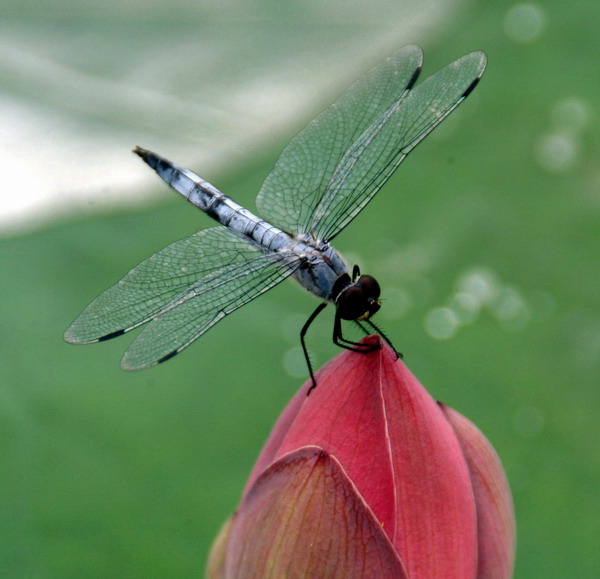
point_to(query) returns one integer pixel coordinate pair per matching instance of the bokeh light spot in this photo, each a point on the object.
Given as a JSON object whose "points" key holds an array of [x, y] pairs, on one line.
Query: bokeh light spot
{"points": [[465, 306], [524, 23], [511, 310], [481, 284], [557, 152], [441, 323], [571, 115], [294, 363]]}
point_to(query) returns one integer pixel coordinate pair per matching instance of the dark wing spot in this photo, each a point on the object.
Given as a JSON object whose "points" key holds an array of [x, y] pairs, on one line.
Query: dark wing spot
{"points": [[167, 356], [414, 78], [111, 335], [471, 87]]}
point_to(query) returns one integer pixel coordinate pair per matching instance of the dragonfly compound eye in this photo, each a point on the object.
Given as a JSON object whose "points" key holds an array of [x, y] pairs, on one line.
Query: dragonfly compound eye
{"points": [[359, 301], [352, 303], [369, 286]]}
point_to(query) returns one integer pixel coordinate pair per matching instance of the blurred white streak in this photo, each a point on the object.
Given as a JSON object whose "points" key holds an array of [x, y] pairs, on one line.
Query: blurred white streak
{"points": [[208, 92]]}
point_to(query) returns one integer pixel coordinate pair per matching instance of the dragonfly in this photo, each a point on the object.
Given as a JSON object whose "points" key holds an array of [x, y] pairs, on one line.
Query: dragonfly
{"points": [[322, 180]]}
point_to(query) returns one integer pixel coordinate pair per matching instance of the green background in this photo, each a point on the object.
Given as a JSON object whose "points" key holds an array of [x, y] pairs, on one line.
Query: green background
{"points": [[113, 474]]}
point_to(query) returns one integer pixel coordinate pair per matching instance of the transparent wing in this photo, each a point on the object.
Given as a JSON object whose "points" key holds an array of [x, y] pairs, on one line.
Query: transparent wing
{"points": [[375, 153], [214, 263], [204, 304], [301, 176]]}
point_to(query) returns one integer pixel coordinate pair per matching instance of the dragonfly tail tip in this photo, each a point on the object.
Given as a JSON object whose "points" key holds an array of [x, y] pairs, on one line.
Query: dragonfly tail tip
{"points": [[143, 153]]}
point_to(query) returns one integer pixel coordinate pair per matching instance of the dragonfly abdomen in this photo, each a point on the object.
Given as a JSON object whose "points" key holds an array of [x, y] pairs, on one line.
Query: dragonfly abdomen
{"points": [[215, 204]]}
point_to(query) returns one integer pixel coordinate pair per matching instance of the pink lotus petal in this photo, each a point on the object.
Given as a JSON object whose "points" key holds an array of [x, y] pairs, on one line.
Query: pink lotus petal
{"points": [[344, 415], [304, 518], [436, 530], [495, 513], [215, 567], [371, 414]]}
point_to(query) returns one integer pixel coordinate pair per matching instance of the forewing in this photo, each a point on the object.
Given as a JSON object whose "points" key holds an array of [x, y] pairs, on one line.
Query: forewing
{"points": [[303, 173], [156, 282], [204, 304], [377, 152]]}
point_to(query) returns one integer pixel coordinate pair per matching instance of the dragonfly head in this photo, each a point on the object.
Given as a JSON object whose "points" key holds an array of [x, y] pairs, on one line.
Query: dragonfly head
{"points": [[358, 300]]}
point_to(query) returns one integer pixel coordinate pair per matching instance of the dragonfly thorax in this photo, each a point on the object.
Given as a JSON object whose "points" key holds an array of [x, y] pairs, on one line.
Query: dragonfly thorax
{"points": [[322, 268]]}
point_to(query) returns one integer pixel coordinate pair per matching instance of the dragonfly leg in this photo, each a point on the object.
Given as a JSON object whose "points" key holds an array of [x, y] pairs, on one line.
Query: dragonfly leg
{"points": [[339, 340], [303, 331], [385, 338], [365, 330]]}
